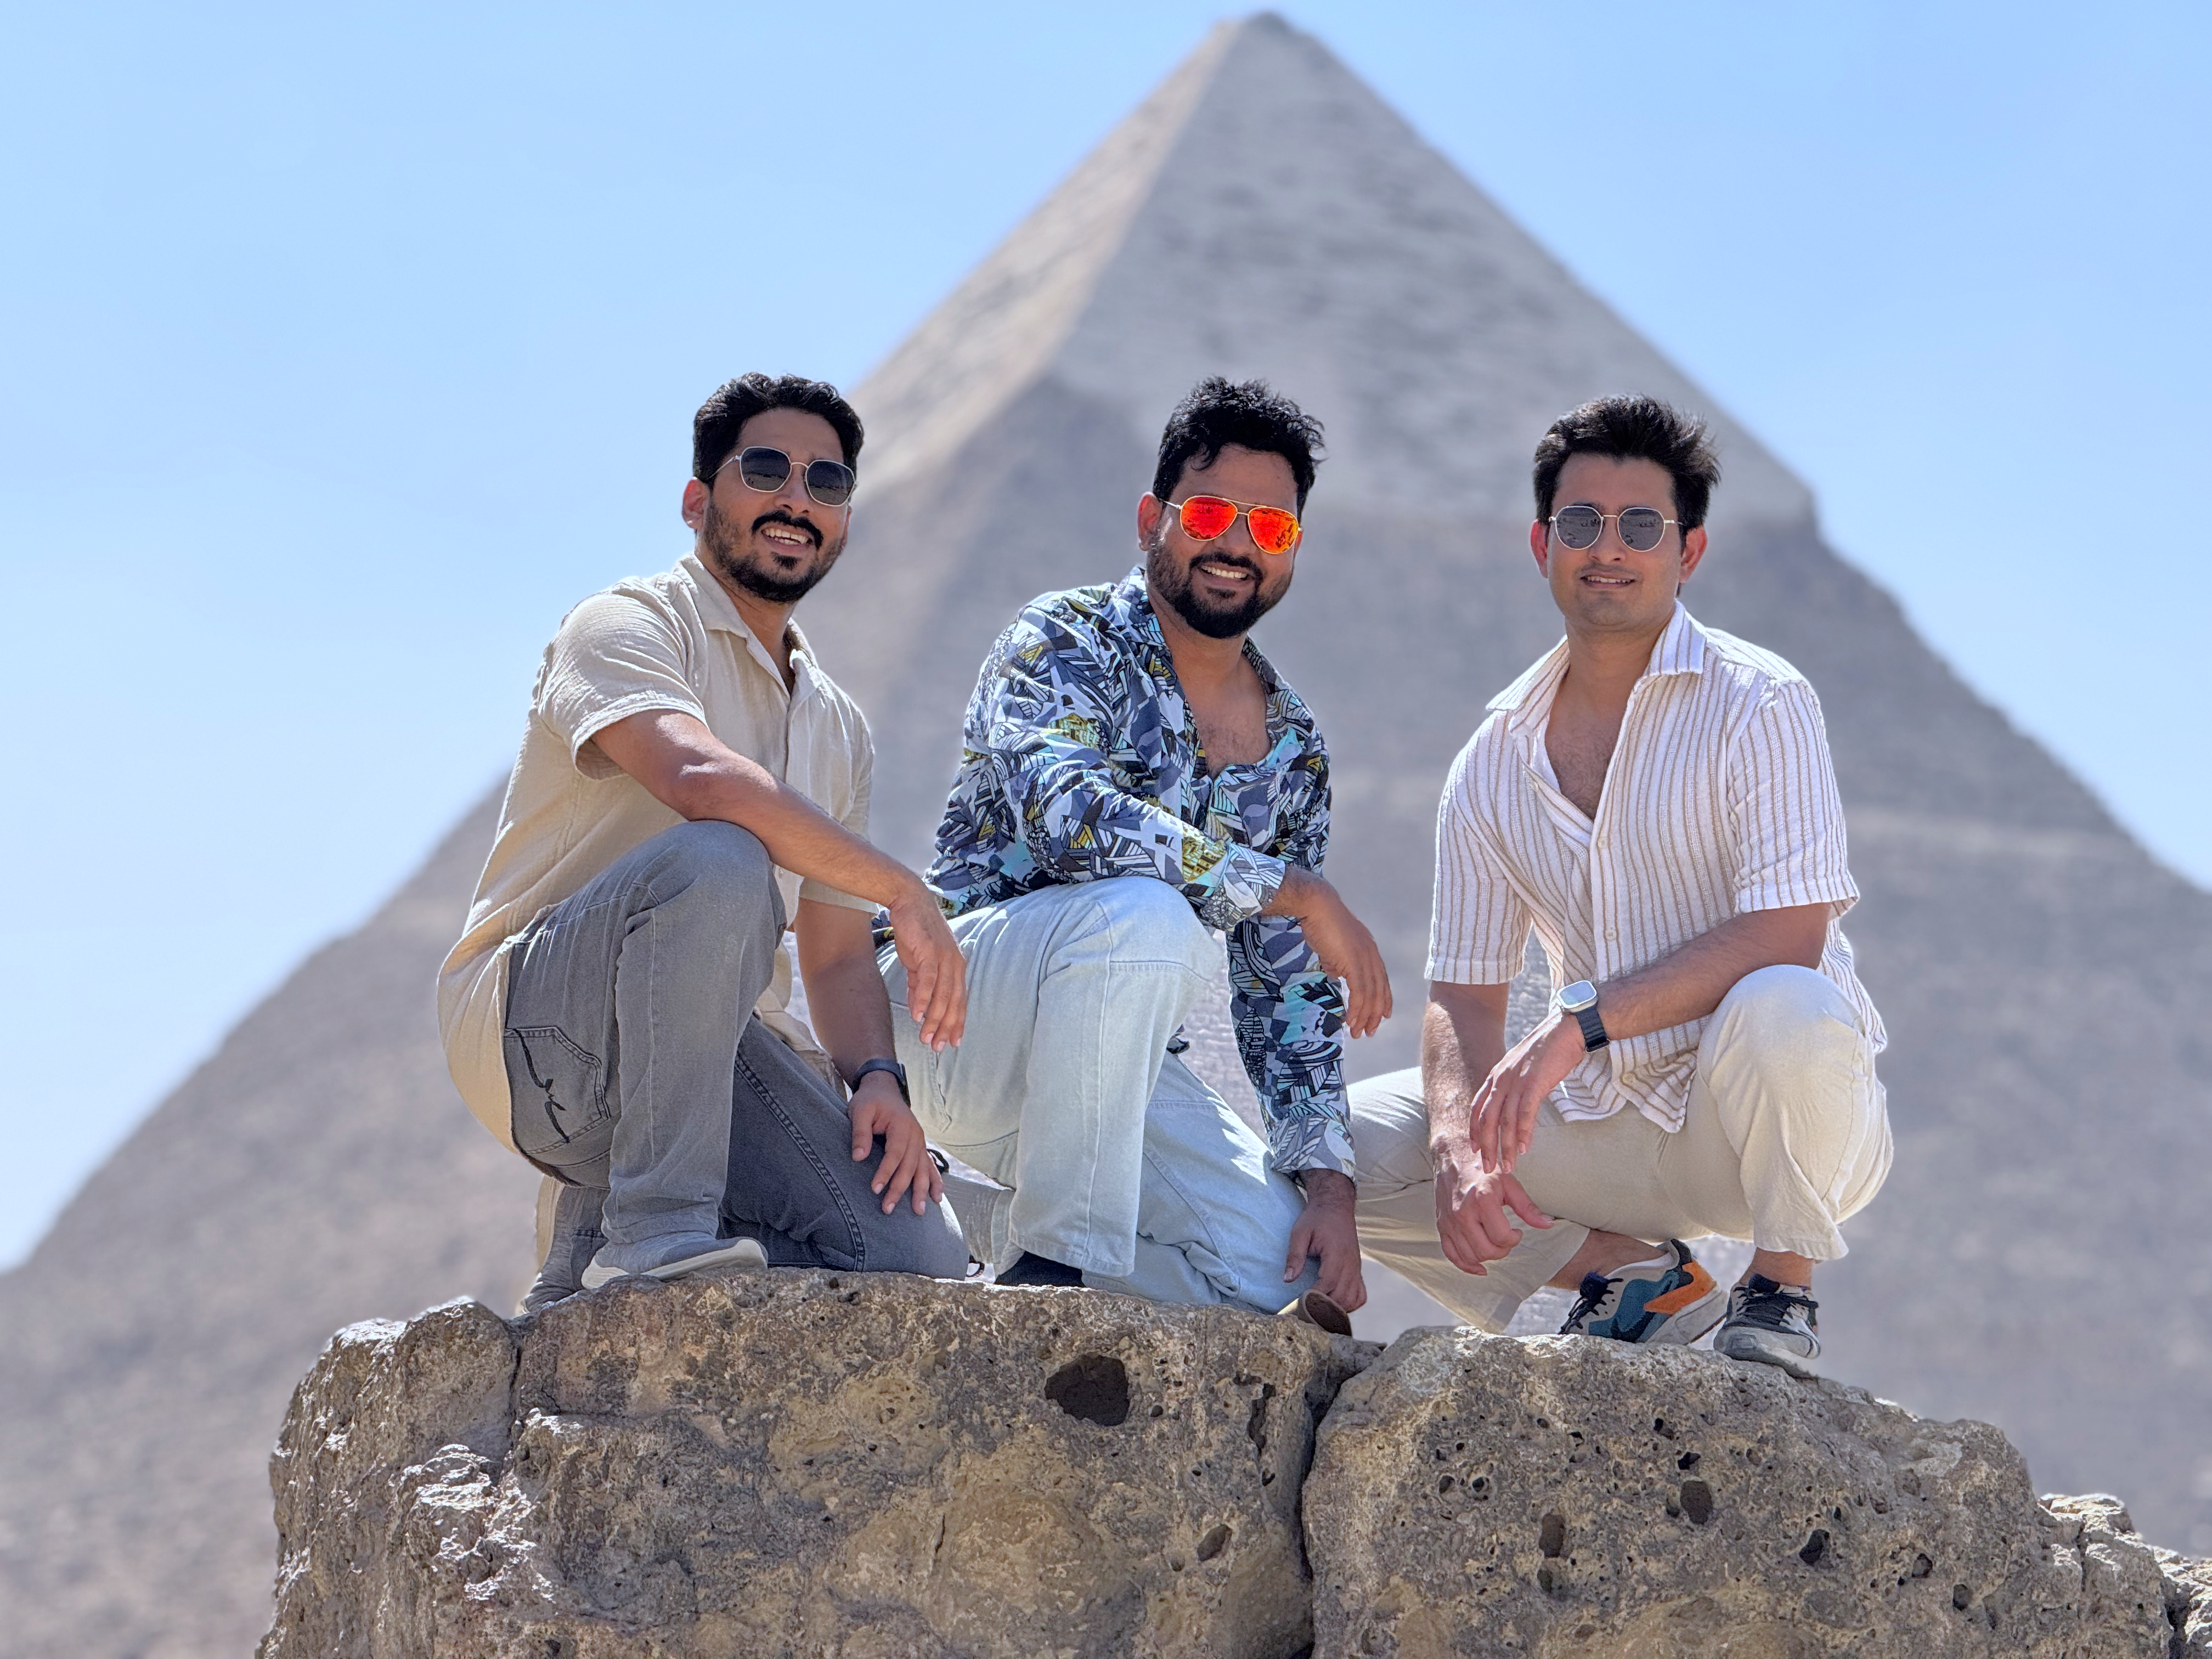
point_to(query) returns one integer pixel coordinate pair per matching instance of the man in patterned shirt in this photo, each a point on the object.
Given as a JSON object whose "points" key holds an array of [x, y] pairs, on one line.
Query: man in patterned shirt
{"points": [[1655, 801], [1135, 774]]}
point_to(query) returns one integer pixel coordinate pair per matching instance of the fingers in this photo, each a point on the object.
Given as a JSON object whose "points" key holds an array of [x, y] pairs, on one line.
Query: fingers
{"points": [[1517, 1196], [897, 1172], [937, 981], [863, 1131], [1482, 1127], [1341, 1278], [1294, 1262]]}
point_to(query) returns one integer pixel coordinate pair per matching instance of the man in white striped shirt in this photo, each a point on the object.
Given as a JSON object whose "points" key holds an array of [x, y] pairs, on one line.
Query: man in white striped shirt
{"points": [[1656, 800]]}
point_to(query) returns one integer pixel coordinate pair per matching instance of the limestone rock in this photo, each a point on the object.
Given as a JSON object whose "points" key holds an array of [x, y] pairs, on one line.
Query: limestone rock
{"points": [[1476, 1495], [805, 1462]]}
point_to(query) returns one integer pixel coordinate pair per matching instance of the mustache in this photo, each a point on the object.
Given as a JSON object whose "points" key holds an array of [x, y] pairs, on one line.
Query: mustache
{"points": [[779, 516]]}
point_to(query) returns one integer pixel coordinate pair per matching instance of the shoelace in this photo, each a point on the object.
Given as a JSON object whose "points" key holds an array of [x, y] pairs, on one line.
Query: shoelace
{"points": [[1774, 1305], [1596, 1287]]}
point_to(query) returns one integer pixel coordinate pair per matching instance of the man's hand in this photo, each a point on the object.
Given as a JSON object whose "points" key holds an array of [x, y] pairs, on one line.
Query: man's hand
{"points": [[1504, 1118], [1471, 1202], [1327, 1229], [1342, 940], [936, 973], [908, 1168]]}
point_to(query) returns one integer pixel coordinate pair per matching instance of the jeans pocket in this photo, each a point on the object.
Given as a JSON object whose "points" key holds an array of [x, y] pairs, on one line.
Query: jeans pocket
{"points": [[559, 1089]]}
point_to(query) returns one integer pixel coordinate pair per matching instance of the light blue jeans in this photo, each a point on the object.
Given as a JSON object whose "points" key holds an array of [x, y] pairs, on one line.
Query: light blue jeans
{"points": [[1119, 1161]]}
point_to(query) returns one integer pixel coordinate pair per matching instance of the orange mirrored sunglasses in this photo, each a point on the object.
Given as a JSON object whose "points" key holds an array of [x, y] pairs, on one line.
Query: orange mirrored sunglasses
{"points": [[1205, 516]]}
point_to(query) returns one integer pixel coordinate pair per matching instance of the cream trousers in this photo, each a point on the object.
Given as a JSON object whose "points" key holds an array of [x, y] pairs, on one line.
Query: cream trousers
{"points": [[1787, 1135]]}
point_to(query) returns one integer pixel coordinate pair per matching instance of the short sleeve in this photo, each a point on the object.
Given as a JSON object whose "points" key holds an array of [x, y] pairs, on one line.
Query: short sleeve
{"points": [[1478, 924], [1784, 808], [615, 656]]}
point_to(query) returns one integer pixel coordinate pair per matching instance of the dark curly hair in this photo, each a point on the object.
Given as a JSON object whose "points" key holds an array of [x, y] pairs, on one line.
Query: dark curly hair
{"points": [[1250, 414], [1633, 429], [714, 428]]}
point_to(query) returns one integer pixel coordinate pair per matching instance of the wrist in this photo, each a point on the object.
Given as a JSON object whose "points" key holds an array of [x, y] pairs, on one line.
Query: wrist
{"points": [[1329, 1190], [879, 1078]]}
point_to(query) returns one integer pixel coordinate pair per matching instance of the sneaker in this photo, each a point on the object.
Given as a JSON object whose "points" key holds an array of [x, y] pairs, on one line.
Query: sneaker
{"points": [[1772, 1324], [1667, 1299], [672, 1257]]}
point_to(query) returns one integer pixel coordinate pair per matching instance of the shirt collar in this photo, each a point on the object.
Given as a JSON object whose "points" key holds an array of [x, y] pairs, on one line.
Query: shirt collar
{"points": [[1528, 701], [720, 614]]}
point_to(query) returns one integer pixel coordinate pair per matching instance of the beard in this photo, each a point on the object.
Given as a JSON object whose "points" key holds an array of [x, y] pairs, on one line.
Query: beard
{"points": [[756, 571], [1169, 580]]}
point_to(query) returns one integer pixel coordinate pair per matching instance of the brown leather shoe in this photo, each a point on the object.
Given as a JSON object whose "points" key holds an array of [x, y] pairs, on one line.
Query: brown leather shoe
{"points": [[1316, 1309]]}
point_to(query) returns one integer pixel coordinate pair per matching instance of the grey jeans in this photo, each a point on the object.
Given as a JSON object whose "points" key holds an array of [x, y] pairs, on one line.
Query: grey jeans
{"points": [[640, 1080]]}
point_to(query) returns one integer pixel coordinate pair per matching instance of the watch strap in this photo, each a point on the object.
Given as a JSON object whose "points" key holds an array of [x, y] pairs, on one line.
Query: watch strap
{"points": [[897, 1072], [1593, 1033]]}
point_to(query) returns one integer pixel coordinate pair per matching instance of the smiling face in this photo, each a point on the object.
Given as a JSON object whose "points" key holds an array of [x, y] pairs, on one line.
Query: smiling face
{"points": [[775, 546], [1220, 588], [1611, 588]]}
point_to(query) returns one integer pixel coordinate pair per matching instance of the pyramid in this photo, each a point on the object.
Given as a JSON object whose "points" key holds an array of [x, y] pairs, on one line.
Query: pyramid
{"points": [[1262, 213]]}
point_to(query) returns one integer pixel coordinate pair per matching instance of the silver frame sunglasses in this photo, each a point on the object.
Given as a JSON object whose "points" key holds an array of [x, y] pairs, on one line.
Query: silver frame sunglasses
{"points": [[806, 474], [1603, 519]]}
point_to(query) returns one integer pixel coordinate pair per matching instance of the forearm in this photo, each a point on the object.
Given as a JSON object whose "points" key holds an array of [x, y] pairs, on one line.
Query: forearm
{"points": [[850, 1011], [1689, 981], [1462, 1039], [800, 836], [683, 766]]}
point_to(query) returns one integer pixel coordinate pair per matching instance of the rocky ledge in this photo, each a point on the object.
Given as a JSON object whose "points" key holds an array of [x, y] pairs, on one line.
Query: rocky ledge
{"points": [[805, 1463]]}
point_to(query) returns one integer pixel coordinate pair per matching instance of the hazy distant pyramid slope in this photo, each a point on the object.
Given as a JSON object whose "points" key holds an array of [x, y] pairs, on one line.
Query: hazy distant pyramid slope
{"points": [[2044, 981], [316, 1170], [2032, 1262]]}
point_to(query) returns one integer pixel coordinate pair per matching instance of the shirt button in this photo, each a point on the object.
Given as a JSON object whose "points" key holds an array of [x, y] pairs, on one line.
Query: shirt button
{"points": [[1612, 934]]}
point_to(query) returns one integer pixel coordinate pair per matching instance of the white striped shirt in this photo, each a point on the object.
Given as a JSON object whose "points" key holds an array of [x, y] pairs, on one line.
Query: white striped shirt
{"points": [[1720, 798]]}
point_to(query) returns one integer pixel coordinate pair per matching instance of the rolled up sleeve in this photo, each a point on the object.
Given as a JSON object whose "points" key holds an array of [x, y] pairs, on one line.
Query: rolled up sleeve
{"points": [[615, 656]]}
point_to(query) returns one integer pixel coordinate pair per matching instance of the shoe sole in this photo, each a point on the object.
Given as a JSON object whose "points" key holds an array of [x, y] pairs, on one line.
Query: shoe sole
{"points": [[1314, 1309], [1754, 1348], [743, 1253]]}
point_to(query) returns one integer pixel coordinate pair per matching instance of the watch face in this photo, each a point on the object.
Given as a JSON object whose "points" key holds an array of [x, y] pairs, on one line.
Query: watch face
{"points": [[1578, 996]]}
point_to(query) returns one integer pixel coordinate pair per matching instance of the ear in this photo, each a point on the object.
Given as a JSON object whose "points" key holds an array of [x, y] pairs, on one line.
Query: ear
{"points": [[1539, 544], [695, 505], [1693, 549], [1150, 510]]}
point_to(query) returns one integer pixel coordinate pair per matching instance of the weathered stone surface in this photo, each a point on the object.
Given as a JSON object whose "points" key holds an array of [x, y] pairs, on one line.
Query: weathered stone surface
{"points": [[802, 1463], [383, 1478], [1473, 1495]]}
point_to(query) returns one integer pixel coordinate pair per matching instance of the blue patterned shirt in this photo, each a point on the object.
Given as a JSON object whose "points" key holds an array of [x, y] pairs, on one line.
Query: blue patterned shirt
{"points": [[1080, 760]]}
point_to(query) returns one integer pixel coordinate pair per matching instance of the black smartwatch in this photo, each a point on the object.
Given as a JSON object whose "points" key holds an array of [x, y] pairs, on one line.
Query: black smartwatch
{"points": [[897, 1072], [1580, 999]]}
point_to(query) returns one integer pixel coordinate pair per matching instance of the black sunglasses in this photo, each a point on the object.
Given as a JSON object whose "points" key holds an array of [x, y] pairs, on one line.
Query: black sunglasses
{"points": [[829, 483], [1642, 528]]}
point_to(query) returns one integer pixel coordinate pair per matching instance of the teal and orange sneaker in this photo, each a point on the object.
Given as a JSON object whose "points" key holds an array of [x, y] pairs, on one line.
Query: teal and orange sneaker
{"points": [[1667, 1299]]}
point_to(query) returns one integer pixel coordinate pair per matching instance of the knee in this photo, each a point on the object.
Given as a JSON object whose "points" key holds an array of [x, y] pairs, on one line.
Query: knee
{"points": [[930, 1244], [1785, 1009], [1144, 919], [717, 863]]}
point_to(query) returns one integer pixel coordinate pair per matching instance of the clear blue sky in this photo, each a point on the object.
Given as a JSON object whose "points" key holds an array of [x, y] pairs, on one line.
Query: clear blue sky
{"points": [[341, 349]]}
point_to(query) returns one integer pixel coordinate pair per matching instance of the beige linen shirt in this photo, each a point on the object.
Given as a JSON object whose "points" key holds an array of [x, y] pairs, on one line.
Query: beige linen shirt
{"points": [[674, 641], [1720, 798]]}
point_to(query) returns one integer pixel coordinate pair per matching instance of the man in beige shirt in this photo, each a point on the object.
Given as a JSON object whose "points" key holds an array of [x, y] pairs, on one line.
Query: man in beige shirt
{"points": [[690, 786], [1655, 800]]}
